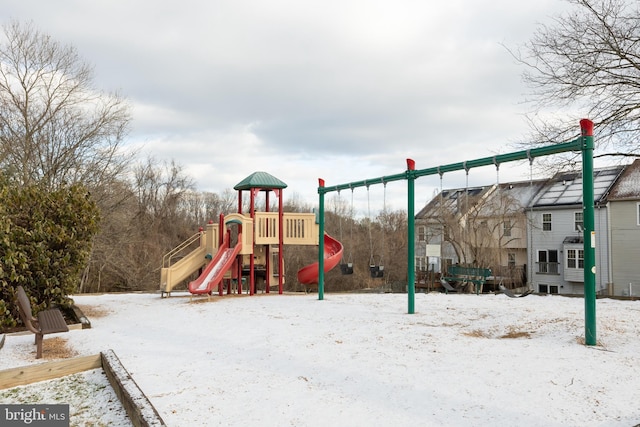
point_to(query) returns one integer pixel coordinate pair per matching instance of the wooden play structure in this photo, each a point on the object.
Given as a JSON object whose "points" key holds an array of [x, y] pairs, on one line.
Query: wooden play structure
{"points": [[247, 246]]}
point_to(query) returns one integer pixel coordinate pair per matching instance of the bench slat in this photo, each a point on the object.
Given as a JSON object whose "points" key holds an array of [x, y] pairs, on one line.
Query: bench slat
{"points": [[52, 321]]}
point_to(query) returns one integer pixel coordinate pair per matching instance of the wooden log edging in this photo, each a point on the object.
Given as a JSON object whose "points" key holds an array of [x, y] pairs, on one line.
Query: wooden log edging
{"points": [[140, 410], [24, 375], [138, 407]]}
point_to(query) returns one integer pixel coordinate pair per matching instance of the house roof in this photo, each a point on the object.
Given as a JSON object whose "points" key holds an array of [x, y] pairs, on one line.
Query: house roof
{"points": [[511, 197], [565, 188], [261, 180], [450, 201], [628, 186], [518, 193]]}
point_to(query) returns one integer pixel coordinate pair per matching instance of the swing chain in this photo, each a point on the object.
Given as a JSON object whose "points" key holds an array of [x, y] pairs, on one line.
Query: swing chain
{"points": [[371, 259]]}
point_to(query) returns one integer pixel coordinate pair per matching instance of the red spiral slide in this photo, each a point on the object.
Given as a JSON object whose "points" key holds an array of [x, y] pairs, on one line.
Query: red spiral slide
{"points": [[308, 275]]}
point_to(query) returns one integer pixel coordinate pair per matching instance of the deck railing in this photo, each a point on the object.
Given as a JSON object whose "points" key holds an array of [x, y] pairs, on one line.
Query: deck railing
{"points": [[298, 228], [548, 267]]}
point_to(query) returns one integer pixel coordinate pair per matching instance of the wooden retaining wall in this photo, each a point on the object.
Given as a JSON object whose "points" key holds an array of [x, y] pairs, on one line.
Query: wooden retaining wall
{"points": [[139, 409]]}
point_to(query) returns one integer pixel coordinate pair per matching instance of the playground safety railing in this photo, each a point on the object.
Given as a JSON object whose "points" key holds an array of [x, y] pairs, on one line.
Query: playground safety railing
{"points": [[175, 252], [298, 228]]}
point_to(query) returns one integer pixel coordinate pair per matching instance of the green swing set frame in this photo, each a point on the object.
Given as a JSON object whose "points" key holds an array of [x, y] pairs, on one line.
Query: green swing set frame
{"points": [[584, 143]]}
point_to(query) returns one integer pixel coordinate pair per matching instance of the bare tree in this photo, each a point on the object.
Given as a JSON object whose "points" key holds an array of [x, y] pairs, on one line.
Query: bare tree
{"points": [[393, 247], [153, 214], [216, 204], [162, 190], [117, 205], [55, 127], [479, 227], [492, 225], [587, 64]]}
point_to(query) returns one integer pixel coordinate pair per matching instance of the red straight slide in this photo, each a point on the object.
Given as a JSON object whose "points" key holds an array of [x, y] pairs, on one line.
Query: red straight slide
{"points": [[214, 271], [332, 255]]}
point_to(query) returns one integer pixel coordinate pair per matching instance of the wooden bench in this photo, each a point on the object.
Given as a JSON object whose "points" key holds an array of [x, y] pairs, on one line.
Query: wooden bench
{"points": [[477, 276], [48, 322]]}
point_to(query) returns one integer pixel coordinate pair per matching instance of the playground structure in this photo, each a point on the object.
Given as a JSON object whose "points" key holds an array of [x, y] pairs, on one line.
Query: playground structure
{"points": [[247, 246], [584, 144]]}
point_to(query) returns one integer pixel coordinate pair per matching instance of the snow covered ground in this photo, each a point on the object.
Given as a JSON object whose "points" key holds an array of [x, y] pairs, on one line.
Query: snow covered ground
{"points": [[91, 400], [361, 360]]}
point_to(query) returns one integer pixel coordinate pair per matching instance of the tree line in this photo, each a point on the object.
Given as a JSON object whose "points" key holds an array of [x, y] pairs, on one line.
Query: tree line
{"points": [[61, 151]]}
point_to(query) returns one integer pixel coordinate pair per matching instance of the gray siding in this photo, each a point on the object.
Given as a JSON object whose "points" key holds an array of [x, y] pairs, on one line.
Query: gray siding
{"points": [[542, 240], [603, 269], [568, 280], [625, 247]]}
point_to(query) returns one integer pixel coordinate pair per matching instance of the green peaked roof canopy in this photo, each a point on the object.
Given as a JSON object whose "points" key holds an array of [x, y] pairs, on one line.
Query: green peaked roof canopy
{"points": [[260, 180]]}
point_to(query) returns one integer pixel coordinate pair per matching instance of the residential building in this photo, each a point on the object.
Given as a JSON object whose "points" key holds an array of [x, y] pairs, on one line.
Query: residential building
{"points": [[532, 233], [624, 239], [434, 249], [556, 242], [480, 226]]}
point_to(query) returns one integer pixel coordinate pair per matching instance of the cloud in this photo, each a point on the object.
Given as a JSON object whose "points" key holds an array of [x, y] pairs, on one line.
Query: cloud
{"points": [[333, 89]]}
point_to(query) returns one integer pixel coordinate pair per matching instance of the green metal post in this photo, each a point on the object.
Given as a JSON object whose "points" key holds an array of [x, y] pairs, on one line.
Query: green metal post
{"points": [[321, 240], [586, 128], [411, 260]]}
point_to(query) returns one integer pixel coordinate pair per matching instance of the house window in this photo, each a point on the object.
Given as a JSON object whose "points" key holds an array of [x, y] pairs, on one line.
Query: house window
{"points": [[548, 261], [546, 222], [421, 263], [507, 226], [575, 258], [422, 233], [578, 221], [511, 260], [546, 289]]}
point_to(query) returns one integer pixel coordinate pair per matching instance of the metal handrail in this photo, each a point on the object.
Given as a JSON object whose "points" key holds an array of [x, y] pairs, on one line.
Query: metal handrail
{"points": [[166, 259]]}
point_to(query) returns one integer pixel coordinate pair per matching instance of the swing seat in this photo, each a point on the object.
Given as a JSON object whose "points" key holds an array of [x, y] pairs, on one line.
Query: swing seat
{"points": [[346, 268], [377, 271]]}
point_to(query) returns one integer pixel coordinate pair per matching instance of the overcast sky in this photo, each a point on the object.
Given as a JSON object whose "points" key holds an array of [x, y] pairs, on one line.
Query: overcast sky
{"points": [[341, 90]]}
